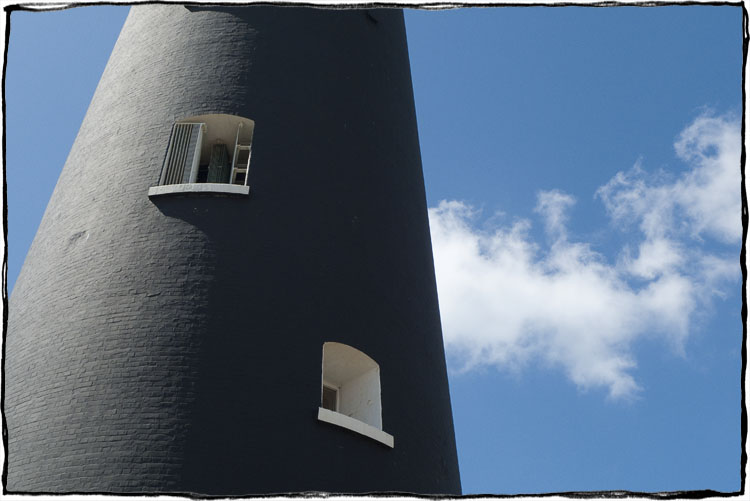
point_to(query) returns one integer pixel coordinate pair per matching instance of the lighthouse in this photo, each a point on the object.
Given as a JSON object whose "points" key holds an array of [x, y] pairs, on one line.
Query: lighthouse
{"points": [[232, 288]]}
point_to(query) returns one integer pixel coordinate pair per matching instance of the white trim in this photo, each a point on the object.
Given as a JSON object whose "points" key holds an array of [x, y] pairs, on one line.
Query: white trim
{"points": [[355, 425], [247, 167], [167, 189], [197, 154], [235, 169], [234, 156]]}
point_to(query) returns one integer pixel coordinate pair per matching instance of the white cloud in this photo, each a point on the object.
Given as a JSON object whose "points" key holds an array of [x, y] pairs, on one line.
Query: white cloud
{"points": [[704, 201], [656, 256], [552, 206], [507, 302]]}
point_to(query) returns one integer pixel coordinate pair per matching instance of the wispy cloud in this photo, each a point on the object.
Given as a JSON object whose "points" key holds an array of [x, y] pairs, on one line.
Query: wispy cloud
{"points": [[508, 301]]}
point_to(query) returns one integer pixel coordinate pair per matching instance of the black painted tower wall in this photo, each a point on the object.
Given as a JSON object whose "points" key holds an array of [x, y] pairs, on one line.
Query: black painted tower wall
{"points": [[174, 344]]}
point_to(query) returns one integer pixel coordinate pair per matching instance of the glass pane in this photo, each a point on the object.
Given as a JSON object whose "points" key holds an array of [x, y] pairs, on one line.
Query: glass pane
{"points": [[329, 398]]}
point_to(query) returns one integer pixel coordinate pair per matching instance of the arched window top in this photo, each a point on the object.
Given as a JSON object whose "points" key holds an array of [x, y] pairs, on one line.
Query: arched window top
{"points": [[219, 119], [350, 391], [342, 362], [207, 153], [222, 128]]}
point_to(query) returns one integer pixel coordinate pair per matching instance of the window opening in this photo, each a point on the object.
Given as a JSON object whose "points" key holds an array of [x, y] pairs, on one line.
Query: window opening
{"points": [[209, 149], [330, 399], [350, 392], [356, 378]]}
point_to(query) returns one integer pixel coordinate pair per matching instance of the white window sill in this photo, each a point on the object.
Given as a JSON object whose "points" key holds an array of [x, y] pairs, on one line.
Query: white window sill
{"points": [[225, 188], [355, 425]]}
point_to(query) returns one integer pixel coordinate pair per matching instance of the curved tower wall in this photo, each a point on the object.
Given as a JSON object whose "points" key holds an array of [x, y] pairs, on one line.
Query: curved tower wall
{"points": [[174, 343]]}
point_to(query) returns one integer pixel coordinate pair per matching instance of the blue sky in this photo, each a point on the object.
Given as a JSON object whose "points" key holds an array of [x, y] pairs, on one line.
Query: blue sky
{"points": [[582, 170]]}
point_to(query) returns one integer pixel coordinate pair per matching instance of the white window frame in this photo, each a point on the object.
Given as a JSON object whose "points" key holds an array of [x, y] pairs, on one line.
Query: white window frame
{"points": [[337, 389], [237, 148]]}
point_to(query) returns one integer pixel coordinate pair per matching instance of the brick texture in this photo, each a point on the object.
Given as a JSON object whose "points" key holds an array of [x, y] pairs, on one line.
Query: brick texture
{"points": [[174, 344]]}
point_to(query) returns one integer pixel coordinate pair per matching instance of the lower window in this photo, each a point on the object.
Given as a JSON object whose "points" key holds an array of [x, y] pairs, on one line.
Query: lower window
{"points": [[350, 392], [330, 399]]}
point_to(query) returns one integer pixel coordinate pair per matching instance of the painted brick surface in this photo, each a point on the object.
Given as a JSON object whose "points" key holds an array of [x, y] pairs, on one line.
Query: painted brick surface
{"points": [[174, 344]]}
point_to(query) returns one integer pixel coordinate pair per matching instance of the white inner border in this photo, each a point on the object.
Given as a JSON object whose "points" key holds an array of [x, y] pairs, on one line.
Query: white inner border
{"points": [[355, 425], [167, 189]]}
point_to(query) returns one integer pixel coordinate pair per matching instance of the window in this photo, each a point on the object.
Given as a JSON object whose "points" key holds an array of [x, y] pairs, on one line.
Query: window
{"points": [[330, 398], [207, 153], [350, 392]]}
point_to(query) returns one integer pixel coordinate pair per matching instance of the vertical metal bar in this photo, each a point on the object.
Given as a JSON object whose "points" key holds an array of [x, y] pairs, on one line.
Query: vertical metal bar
{"points": [[234, 156], [175, 151], [165, 164], [247, 168], [178, 162], [172, 152], [179, 165], [197, 154]]}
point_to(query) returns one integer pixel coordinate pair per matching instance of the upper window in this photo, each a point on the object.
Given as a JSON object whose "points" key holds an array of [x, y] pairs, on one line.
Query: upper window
{"points": [[212, 149], [350, 392]]}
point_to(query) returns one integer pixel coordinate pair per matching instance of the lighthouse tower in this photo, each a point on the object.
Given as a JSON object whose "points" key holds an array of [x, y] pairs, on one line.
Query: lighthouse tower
{"points": [[232, 288]]}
